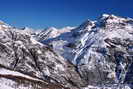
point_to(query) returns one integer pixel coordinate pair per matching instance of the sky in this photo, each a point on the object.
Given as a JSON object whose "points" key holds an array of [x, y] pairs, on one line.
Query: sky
{"points": [[39, 14]]}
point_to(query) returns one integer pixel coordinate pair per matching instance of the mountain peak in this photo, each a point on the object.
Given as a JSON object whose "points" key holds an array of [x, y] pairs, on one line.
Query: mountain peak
{"points": [[52, 28], [110, 20], [89, 22], [104, 16], [86, 24]]}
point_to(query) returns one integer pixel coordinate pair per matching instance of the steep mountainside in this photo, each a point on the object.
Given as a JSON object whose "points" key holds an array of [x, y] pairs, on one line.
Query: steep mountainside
{"points": [[102, 50], [20, 52]]}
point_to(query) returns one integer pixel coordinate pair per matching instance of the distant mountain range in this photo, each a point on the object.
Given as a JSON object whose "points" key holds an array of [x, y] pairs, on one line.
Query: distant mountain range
{"points": [[94, 55]]}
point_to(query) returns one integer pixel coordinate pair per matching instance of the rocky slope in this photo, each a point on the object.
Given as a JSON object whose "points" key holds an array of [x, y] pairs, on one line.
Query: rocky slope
{"points": [[20, 52]]}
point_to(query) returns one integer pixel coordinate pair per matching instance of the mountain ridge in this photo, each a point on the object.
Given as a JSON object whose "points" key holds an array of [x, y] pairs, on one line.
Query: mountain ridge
{"points": [[90, 55], [94, 43]]}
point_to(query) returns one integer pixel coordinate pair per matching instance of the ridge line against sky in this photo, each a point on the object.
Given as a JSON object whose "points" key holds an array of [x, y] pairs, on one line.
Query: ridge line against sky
{"points": [[60, 13]]}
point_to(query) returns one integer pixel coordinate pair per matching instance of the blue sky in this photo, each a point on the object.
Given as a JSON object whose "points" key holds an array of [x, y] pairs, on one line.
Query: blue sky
{"points": [[59, 13]]}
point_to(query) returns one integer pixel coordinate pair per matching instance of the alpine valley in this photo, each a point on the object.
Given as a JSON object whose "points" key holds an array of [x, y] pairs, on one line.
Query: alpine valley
{"points": [[94, 55]]}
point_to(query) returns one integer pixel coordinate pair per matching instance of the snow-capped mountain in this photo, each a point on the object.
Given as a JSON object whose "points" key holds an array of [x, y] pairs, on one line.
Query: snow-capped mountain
{"points": [[102, 50], [94, 55], [52, 32], [107, 48]]}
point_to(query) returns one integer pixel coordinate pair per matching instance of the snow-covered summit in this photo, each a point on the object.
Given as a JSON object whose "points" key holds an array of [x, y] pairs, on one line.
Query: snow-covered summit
{"points": [[112, 19], [52, 32]]}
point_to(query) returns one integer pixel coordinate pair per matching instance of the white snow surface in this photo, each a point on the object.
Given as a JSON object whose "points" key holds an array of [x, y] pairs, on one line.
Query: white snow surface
{"points": [[14, 73]]}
